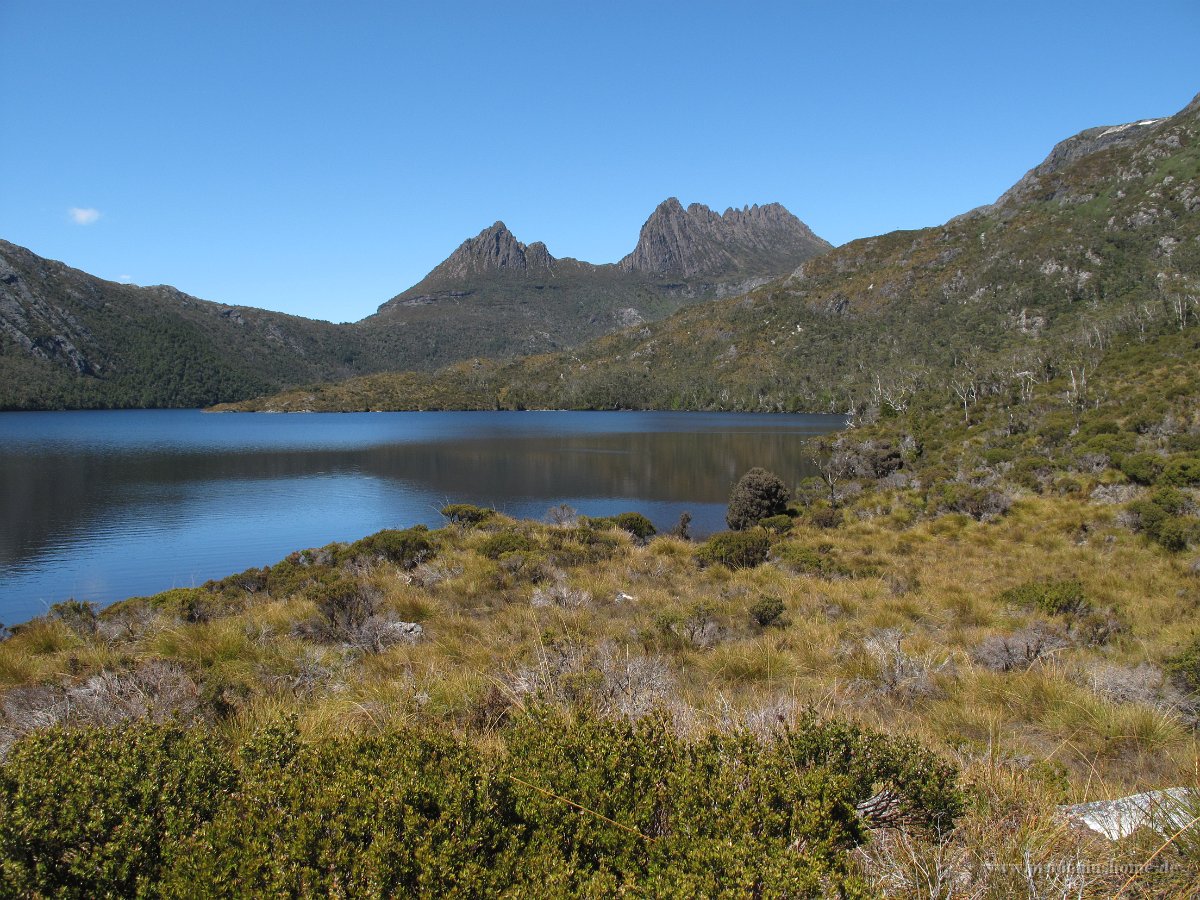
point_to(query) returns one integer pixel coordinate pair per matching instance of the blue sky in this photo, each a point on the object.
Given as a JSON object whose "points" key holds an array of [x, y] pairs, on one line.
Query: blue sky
{"points": [[318, 158]]}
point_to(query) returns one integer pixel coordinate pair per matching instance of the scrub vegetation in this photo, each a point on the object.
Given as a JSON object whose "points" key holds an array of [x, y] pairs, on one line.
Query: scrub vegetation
{"points": [[1010, 595]]}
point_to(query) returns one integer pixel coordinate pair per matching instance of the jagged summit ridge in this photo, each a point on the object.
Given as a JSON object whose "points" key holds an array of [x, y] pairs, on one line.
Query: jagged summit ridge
{"points": [[698, 241], [494, 249], [674, 241]]}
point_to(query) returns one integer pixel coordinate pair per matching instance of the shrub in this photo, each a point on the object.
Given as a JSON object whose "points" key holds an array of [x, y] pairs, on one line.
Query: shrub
{"points": [[78, 615], [980, 503], [777, 524], [1019, 650], [343, 603], [825, 517], [818, 561], [1161, 517], [104, 812], [1181, 471], [503, 542], [466, 514], [407, 548], [757, 495], [767, 611], [156, 811], [735, 549], [683, 529], [636, 524], [1184, 666], [1053, 598], [1142, 468]]}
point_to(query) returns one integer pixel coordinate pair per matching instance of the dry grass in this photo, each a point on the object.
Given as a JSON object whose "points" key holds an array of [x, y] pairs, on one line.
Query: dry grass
{"points": [[889, 636]]}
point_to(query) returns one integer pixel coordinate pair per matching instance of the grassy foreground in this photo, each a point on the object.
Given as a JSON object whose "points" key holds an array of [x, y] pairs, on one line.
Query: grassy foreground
{"points": [[926, 627]]}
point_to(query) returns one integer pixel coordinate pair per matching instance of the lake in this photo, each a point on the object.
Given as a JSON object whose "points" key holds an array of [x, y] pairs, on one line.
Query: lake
{"points": [[110, 504]]}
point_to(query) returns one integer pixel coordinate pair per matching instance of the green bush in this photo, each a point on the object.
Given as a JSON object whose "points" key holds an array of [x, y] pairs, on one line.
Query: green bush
{"points": [[636, 524], [1162, 517], [1184, 666], [406, 548], [466, 514], [1054, 598], [767, 611], [777, 524], [1111, 444], [825, 517], [979, 503], [78, 615], [1142, 468], [343, 604], [735, 549], [633, 522], [819, 561], [993, 456], [104, 812], [561, 806], [502, 542], [758, 495], [1181, 471]]}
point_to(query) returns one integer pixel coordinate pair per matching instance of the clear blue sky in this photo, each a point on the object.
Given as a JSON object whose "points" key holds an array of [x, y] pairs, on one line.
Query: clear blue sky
{"points": [[318, 157]]}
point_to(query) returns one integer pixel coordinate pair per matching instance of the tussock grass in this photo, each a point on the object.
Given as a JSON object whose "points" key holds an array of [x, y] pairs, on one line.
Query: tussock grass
{"points": [[882, 625]]}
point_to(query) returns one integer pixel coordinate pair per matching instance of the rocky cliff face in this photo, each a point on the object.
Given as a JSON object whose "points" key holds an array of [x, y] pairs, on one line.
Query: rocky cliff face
{"points": [[1065, 153], [495, 249], [698, 242]]}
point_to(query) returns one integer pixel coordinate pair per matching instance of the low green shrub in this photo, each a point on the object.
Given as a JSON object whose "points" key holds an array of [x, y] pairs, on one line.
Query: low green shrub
{"points": [[559, 805], [806, 560], [735, 549], [1181, 471], [1184, 666], [405, 548], [777, 524], [502, 542], [1141, 468], [1054, 598], [78, 615], [105, 812], [636, 524], [825, 517], [767, 611], [980, 503], [1163, 518], [466, 514]]}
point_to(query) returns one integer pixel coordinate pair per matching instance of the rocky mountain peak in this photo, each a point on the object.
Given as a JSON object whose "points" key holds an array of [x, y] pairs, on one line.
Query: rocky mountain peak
{"points": [[495, 249], [697, 241]]}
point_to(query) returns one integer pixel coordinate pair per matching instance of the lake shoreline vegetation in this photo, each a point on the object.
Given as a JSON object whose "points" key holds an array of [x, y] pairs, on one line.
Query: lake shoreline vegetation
{"points": [[886, 679], [1001, 596]]}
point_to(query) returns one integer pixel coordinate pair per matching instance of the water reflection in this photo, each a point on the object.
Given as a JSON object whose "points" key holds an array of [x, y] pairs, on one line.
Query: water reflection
{"points": [[99, 516]]}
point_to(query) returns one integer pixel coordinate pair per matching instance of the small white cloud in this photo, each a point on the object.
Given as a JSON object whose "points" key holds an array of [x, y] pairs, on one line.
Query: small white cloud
{"points": [[83, 215], [125, 279]]}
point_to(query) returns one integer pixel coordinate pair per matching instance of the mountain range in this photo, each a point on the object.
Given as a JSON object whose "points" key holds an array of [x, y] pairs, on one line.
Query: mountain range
{"points": [[69, 339], [1101, 239], [742, 310]]}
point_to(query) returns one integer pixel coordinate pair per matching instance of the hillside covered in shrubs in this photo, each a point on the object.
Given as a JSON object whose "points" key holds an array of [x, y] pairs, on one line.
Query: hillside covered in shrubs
{"points": [[884, 679]]}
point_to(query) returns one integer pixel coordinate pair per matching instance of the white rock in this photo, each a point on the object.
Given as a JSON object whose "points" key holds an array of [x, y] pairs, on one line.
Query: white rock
{"points": [[1165, 811]]}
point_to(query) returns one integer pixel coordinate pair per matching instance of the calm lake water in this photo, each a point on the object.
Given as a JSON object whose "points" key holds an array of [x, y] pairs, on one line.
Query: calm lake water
{"points": [[105, 505]]}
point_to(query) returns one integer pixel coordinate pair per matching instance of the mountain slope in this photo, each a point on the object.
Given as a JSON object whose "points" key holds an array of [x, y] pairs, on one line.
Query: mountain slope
{"points": [[70, 340], [1095, 242], [497, 297]]}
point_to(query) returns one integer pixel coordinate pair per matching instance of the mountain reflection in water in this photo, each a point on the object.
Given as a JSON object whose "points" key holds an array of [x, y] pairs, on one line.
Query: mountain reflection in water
{"points": [[106, 505]]}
